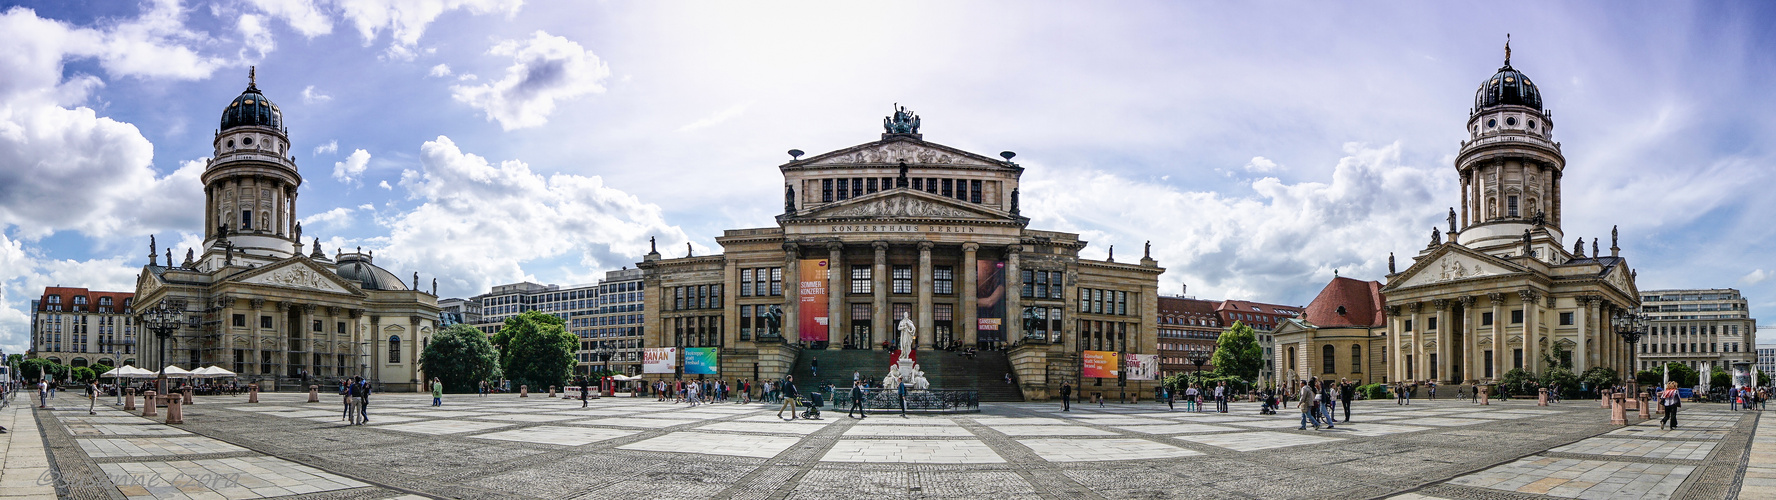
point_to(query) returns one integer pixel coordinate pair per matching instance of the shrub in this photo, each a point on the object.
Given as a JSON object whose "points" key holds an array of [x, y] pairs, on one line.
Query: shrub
{"points": [[1375, 391]]}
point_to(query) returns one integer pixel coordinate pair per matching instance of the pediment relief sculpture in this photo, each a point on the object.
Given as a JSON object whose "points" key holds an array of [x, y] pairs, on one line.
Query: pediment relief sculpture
{"points": [[899, 206], [901, 152]]}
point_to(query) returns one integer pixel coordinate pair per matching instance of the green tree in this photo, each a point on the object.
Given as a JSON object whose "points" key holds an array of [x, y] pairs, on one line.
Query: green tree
{"points": [[1719, 378], [460, 357], [1237, 353], [1763, 379], [536, 350], [101, 368], [1649, 378], [1516, 382], [38, 368], [1569, 383], [1598, 376], [82, 374], [1682, 374]]}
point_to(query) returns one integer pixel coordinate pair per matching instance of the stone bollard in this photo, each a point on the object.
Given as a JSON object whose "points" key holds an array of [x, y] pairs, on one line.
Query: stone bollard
{"points": [[314, 394], [174, 414], [551, 391], [1485, 397], [1604, 399], [129, 399], [148, 404], [187, 393], [1542, 397], [1630, 402], [1618, 414], [1644, 411], [252, 393], [524, 391], [1660, 409]]}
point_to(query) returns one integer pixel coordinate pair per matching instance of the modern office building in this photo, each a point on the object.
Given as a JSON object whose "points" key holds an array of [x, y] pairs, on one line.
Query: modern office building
{"points": [[1707, 329]]}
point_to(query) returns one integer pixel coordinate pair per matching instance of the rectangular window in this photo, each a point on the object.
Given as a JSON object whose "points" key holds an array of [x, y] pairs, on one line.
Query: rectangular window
{"points": [[931, 185], [1122, 302], [240, 320], [759, 322], [776, 282], [702, 296], [1517, 316], [1566, 318], [745, 282], [715, 296], [1517, 358], [745, 323], [943, 280], [1042, 284], [900, 310], [860, 326], [1098, 302], [1431, 324], [1054, 324], [341, 327], [860, 280], [678, 298], [869, 185], [1488, 365], [1485, 319], [1511, 206], [826, 190], [856, 187], [265, 322], [887, 183], [319, 326], [946, 189], [1408, 325], [903, 280], [918, 184], [1028, 278], [844, 188], [1084, 300]]}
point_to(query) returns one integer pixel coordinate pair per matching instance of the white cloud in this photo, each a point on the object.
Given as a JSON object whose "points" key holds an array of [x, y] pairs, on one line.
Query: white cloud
{"points": [[354, 165], [406, 20], [303, 15], [1261, 164], [24, 272], [544, 69], [310, 96], [479, 221], [1755, 276], [255, 36], [384, 185], [721, 116], [1282, 242], [336, 218], [330, 147], [441, 70]]}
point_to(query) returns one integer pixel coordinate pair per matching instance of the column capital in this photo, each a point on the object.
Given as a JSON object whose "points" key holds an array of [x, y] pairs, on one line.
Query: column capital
{"points": [[284, 305], [355, 313], [1393, 310], [925, 246], [1468, 301], [333, 311], [879, 245], [258, 304], [835, 246], [1527, 295], [971, 247], [1439, 304], [308, 309], [792, 248], [1496, 298], [1416, 307]]}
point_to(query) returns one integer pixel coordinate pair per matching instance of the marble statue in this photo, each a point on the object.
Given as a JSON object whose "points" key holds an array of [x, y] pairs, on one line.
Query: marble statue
{"points": [[1579, 248], [153, 253], [1594, 252], [1436, 237], [1112, 256], [1613, 243], [1451, 220], [788, 199], [903, 370], [1391, 270]]}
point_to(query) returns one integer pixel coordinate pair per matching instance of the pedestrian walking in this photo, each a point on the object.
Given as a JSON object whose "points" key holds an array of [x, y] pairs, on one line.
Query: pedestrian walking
{"points": [[92, 397], [1328, 403], [814, 367], [43, 393], [437, 392], [1670, 401], [1066, 397], [1347, 390], [903, 405], [583, 389], [345, 398], [483, 389], [1171, 402], [1190, 398], [1306, 404], [857, 400], [1433, 389]]}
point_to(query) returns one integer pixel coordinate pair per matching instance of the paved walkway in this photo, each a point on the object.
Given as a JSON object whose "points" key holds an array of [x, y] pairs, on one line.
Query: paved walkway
{"points": [[540, 447], [24, 467]]}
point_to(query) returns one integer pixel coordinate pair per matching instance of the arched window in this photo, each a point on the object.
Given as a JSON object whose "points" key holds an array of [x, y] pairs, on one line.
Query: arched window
{"points": [[1356, 359], [394, 349], [1327, 356]]}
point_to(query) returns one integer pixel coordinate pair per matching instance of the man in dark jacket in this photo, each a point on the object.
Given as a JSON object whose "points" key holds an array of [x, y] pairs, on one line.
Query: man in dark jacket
{"points": [[583, 391], [1066, 397], [857, 400], [1347, 390]]}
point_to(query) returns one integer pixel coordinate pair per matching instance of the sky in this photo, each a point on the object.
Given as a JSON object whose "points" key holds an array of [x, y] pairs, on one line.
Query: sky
{"points": [[1260, 147]]}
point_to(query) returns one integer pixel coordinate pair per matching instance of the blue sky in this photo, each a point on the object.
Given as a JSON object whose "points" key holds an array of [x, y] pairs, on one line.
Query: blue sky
{"points": [[1259, 147]]}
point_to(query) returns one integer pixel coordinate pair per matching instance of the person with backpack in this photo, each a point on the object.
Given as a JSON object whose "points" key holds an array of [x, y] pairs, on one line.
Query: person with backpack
{"points": [[361, 399], [1066, 397]]}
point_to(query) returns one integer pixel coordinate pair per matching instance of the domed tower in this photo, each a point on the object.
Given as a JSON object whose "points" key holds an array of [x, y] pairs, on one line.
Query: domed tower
{"points": [[250, 183], [1510, 167]]}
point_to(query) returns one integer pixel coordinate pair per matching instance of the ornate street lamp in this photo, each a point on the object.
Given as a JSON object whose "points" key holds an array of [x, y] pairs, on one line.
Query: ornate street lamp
{"points": [[163, 320], [1198, 356], [1631, 326]]}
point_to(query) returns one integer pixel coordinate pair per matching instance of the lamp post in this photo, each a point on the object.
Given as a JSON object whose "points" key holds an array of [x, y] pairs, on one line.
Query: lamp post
{"points": [[1198, 356], [1630, 326], [162, 320]]}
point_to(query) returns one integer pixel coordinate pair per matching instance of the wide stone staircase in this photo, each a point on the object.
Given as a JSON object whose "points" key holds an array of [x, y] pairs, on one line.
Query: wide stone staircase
{"points": [[945, 369]]}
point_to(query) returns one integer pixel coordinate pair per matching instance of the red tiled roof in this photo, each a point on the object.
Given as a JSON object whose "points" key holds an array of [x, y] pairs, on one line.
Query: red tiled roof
{"points": [[68, 293], [1362, 302]]}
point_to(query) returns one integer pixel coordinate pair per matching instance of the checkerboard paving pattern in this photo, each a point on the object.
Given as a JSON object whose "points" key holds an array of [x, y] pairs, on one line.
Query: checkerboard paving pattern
{"points": [[1642, 448], [1572, 478], [154, 446], [917, 451], [1051, 430], [1176, 428], [1638, 431], [1098, 450], [247, 477], [1259, 440], [870, 430], [710, 443], [550, 434], [436, 427]]}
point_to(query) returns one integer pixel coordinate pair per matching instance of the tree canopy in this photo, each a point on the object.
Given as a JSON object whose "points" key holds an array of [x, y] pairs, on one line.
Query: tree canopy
{"points": [[461, 357], [1237, 353], [536, 349], [37, 368]]}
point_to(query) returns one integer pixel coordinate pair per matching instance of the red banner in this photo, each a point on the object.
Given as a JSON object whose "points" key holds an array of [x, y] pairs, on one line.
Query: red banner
{"points": [[1099, 364], [813, 323]]}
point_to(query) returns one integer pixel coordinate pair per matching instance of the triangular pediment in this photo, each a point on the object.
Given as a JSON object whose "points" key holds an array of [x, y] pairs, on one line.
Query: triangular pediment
{"points": [[1451, 263], [1621, 277], [897, 149], [905, 204], [298, 272]]}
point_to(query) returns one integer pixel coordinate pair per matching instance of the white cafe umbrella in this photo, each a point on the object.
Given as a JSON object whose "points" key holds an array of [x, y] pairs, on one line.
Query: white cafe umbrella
{"points": [[173, 371], [214, 371]]}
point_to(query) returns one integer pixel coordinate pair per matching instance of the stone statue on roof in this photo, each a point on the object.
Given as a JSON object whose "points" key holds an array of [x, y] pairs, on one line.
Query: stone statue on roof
{"points": [[788, 199], [153, 253], [903, 121], [1451, 220], [1436, 237], [1594, 252], [1391, 264], [1579, 248]]}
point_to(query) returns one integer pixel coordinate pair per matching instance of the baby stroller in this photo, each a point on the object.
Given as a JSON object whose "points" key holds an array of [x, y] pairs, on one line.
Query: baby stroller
{"points": [[813, 405], [1270, 405]]}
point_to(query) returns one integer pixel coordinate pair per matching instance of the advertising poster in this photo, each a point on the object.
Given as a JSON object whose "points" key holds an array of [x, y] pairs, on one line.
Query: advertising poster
{"points": [[658, 359], [989, 298], [1143, 366], [1099, 364], [813, 324], [700, 360]]}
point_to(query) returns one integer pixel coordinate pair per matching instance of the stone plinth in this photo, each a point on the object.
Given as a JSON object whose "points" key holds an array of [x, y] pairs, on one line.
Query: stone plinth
{"points": [[1542, 397], [1485, 396], [524, 391], [551, 391], [252, 393], [1603, 399], [148, 404], [1644, 411], [1618, 413], [175, 415], [314, 394], [129, 399], [187, 392]]}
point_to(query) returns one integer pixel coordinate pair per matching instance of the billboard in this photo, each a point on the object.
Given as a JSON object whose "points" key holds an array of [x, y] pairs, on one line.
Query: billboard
{"points": [[813, 323], [1143, 366], [1099, 364], [989, 299], [658, 359], [700, 360]]}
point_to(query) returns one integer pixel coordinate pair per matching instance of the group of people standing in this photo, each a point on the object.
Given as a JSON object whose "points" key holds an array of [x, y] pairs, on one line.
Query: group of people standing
{"points": [[356, 392], [1194, 397], [1319, 402]]}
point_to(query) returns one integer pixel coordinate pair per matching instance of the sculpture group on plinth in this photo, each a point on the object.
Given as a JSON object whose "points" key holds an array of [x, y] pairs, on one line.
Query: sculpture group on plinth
{"points": [[904, 370]]}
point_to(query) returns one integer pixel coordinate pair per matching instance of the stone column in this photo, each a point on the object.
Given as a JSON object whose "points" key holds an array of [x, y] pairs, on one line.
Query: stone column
{"points": [[1013, 324], [926, 333], [1444, 339], [374, 342], [306, 346], [1582, 319], [1467, 188], [836, 291], [965, 294], [1499, 348], [1395, 369], [792, 296], [1470, 345], [1532, 346], [412, 347], [882, 326], [254, 333], [1417, 370]]}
